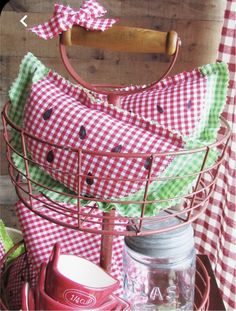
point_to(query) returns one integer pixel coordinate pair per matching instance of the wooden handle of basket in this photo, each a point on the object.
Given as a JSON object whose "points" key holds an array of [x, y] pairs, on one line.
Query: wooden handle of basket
{"points": [[123, 39]]}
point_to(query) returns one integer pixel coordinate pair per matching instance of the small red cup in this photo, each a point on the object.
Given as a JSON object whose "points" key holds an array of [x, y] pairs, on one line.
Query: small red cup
{"points": [[45, 302], [42, 300], [77, 282]]}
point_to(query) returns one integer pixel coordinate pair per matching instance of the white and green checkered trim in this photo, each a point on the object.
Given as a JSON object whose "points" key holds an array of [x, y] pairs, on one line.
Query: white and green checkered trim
{"points": [[31, 70]]}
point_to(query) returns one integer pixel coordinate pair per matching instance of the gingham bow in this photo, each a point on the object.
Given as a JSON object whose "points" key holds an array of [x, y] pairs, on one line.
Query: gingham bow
{"points": [[65, 17]]}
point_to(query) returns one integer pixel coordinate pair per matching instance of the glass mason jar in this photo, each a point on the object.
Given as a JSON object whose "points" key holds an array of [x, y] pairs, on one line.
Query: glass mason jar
{"points": [[159, 269]]}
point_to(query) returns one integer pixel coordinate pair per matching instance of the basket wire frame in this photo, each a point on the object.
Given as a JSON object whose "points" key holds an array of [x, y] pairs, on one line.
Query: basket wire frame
{"points": [[111, 223], [88, 218]]}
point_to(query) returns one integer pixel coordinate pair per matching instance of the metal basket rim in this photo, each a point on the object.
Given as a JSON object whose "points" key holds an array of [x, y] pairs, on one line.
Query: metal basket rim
{"points": [[120, 154]]}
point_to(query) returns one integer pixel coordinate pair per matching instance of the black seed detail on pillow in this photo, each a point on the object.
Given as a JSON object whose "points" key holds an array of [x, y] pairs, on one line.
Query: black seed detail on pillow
{"points": [[147, 163], [47, 114], [89, 179], [160, 109], [189, 104], [82, 132], [50, 156], [117, 148], [88, 196]]}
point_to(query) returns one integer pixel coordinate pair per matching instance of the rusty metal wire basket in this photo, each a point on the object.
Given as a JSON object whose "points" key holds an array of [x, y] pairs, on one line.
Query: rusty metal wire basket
{"points": [[202, 285], [88, 218]]}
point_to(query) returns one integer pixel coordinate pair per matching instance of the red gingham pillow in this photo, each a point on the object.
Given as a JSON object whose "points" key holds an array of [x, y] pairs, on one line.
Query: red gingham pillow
{"points": [[69, 116], [176, 102]]}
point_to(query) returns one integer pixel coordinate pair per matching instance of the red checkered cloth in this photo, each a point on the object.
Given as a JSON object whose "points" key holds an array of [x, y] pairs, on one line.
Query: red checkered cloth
{"points": [[175, 102], [40, 235], [19, 272], [65, 17], [216, 229], [2, 251], [65, 115]]}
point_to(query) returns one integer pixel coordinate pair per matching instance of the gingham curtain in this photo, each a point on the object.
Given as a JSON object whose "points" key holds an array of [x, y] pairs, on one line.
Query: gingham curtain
{"points": [[215, 231]]}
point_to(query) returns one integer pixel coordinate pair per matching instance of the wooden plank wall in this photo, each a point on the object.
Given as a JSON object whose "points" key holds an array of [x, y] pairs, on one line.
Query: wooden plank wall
{"points": [[198, 23]]}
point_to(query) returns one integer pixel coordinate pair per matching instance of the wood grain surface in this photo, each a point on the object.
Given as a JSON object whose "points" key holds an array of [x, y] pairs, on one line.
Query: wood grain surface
{"points": [[198, 24]]}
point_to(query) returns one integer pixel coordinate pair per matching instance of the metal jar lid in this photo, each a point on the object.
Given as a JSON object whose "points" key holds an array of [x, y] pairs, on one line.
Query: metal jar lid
{"points": [[175, 243]]}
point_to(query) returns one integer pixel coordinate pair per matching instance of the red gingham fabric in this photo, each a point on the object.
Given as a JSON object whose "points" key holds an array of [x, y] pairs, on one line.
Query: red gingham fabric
{"points": [[2, 252], [40, 235], [216, 229], [175, 102], [64, 114], [65, 17], [19, 272]]}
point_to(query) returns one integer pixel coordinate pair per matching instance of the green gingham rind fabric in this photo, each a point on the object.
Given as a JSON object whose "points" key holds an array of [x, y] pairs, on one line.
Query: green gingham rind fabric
{"points": [[31, 70], [185, 167], [8, 243], [217, 84]]}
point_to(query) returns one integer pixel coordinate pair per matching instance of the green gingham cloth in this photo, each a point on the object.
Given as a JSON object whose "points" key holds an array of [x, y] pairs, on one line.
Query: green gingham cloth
{"points": [[8, 243], [185, 167]]}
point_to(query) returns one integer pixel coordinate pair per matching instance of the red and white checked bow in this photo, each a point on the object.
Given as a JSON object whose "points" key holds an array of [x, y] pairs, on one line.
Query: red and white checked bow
{"points": [[65, 17]]}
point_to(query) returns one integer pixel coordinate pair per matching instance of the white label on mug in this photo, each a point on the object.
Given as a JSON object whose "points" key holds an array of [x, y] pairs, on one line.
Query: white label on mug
{"points": [[77, 298]]}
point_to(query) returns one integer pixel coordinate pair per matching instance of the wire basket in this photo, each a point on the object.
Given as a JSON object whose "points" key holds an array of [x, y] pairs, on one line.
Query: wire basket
{"points": [[89, 218], [202, 287], [202, 282]]}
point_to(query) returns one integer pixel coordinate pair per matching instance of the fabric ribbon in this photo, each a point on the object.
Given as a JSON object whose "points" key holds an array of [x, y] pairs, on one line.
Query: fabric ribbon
{"points": [[65, 17]]}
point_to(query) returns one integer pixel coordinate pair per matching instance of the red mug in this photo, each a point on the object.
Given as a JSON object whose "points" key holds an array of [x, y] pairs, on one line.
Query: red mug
{"points": [[27, 298], [42, 300], [45, 302], [77, 282]]}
